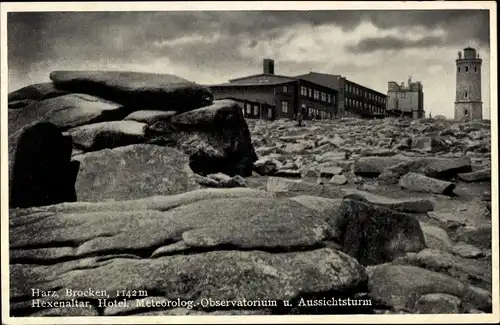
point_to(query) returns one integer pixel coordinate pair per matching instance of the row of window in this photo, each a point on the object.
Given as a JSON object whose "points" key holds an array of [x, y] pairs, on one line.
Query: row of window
{"points": [[316, 94], [359, 104], [467, 69], [358, 91]]}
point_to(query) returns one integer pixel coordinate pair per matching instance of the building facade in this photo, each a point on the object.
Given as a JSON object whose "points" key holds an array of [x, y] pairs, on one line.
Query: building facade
{"points": [[279, 96], [353, 99], [468, 104], [406, 100]]}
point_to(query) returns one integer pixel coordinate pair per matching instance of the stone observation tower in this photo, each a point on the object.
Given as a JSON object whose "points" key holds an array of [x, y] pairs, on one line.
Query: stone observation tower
{"points": [[468, 104]]}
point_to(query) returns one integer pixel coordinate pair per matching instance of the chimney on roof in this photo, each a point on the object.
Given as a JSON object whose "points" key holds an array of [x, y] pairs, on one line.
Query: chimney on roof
{"points": [[268, 66]]}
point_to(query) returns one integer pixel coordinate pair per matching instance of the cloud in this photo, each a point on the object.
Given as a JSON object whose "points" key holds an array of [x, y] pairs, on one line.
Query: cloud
{"points": [[372, 44], [368, 46]]}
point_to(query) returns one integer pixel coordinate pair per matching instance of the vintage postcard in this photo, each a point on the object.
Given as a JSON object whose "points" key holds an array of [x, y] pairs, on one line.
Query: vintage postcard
{"points": [[249, 162]]}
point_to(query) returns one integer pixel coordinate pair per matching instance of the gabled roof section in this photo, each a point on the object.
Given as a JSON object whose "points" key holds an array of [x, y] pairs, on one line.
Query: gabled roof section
{"points": [[323, 79], [259, 79]]}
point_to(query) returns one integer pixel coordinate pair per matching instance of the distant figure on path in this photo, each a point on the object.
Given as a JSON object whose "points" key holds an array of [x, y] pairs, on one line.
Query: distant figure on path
{"points": [[299, 118]]}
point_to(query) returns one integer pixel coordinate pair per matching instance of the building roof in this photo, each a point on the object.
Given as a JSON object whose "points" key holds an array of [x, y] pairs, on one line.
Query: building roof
{"points": [[323, 79], [258, 80]]}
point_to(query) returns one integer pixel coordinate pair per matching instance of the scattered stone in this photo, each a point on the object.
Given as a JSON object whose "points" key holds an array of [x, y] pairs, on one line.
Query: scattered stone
{"points": [[339, 180], [400, 286], [420, 183], [477, 272], [479, 236], [290, 173], [438, 303], [133, 172], [266, 166], [330, 172], [310, 173], [375, 165], [476, 176], [300, 187], [436, 237], [467, 251]]}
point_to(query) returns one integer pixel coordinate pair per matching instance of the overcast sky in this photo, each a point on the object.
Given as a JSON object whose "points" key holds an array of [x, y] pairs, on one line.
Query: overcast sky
{"points": [[369, 47]]}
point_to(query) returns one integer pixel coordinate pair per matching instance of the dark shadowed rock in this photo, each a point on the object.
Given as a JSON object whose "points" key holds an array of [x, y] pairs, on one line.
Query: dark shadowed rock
{"points": [[66, 111], [20, 103], [375, 235], [216, 138], [108, 135], [420, 183], [476, 176], [400, 287], [133, 172], [36, 92], [154, 91], [150, 117], [40, 168]]}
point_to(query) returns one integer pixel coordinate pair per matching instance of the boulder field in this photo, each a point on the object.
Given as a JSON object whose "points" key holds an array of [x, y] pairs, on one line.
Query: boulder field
{"points": [[139, 194]]}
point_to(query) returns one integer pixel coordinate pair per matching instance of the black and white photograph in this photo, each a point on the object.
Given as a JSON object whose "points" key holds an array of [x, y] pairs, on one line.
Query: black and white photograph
{"points": [[249, 162]]}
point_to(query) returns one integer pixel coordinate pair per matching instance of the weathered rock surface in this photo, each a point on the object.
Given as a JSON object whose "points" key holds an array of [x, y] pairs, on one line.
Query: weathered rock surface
{"points": [[216, 138], [35, 92], [420, 183], [108, 135], [133, 172], [476, 176], [477, 272], [150, 117], [291, 187], [400, 287], [40, 168], [134, 89], [376, 165], [438, 303], [66, 111], [412, 205], [375, 235]]}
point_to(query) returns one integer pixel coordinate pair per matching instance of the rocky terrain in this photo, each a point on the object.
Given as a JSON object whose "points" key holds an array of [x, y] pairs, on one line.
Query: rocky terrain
{"points": [[144, 188]]}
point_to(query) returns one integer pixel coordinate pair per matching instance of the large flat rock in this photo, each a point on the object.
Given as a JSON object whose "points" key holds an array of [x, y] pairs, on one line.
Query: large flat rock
{"points": [[35, 92], [108, 135], [411, 205], [245, 222], [219, 275], [66, 111], [133, 172], [135, 89]]}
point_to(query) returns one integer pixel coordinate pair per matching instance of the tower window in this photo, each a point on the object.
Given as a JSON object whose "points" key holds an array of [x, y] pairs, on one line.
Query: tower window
{"points": [[466, 95], [475, 69], [466, 69], [458, 69]]}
